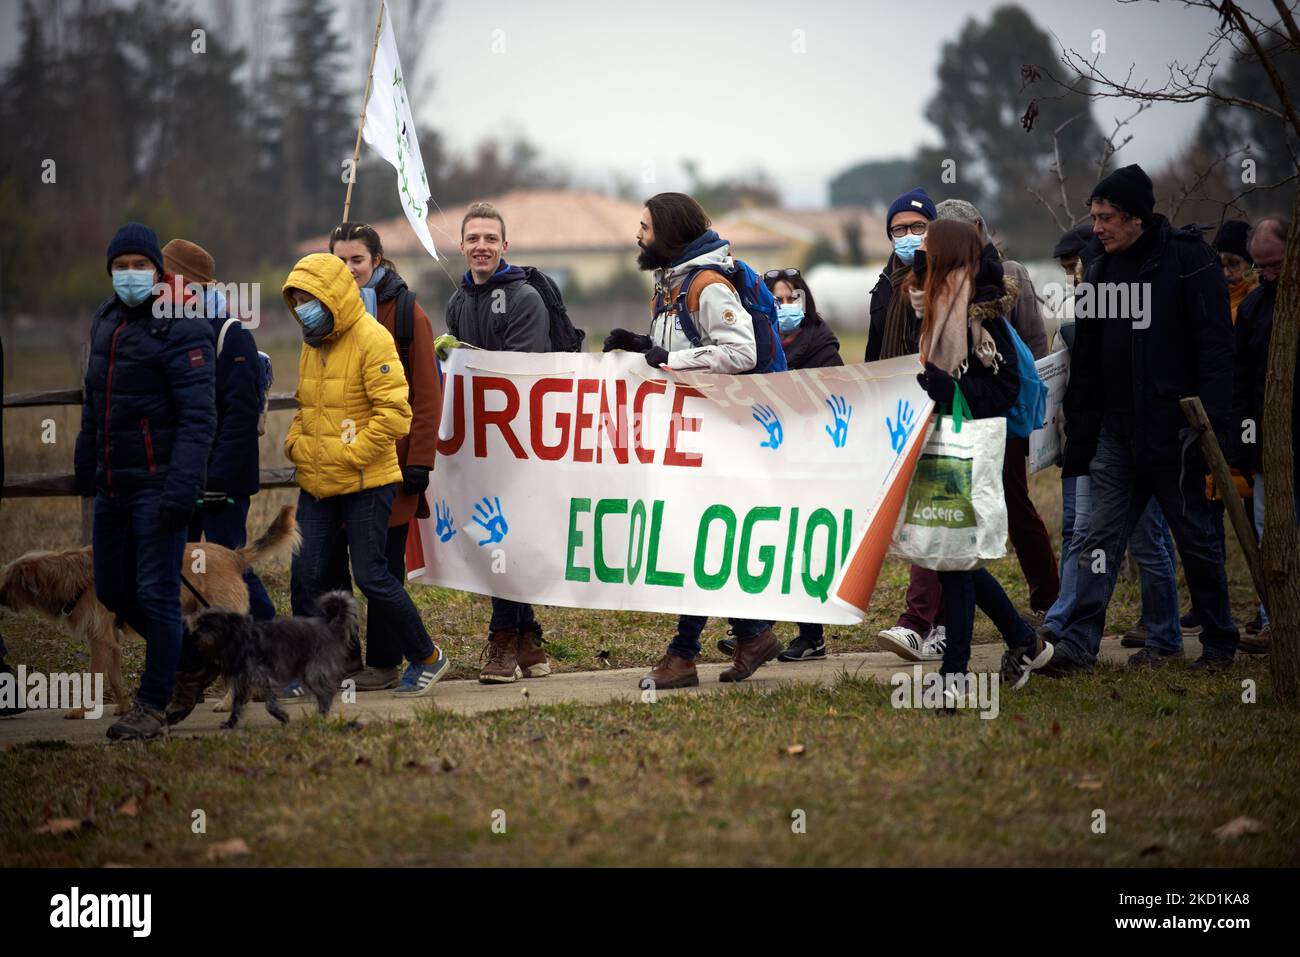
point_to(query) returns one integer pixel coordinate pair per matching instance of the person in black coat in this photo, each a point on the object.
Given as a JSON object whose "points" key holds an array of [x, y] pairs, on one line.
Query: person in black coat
{"points": [[233, 474], [1152, 327], [147, 421]]}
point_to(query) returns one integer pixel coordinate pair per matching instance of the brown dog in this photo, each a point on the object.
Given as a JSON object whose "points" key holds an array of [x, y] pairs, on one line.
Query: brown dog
{"points": [[59, 586]]}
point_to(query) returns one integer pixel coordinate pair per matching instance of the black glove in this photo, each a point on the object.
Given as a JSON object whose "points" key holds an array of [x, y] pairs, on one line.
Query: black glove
{"points": [[629, 341], [173, 520], [85, 484], [937, 384], [656, 355], [415, 479], [918, 268]]}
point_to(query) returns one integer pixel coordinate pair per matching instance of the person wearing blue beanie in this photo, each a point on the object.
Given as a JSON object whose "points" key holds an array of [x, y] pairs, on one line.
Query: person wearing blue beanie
{"points": [[135, 238], [916, 200]]}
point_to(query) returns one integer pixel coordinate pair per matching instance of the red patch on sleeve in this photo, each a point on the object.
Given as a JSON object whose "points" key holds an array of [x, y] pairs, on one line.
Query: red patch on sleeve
{"points": [[196, 358]]}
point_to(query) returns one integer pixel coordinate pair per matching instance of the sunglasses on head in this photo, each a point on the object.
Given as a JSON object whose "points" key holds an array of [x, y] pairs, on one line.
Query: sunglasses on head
{"points": [[789, 273]]}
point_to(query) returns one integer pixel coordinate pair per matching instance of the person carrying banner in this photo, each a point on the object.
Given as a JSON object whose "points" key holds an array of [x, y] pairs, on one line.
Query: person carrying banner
{"points": [[353, 407], [965, 343], [496, 308], [675, 240], [147, 423], [386, 297], [233, 474]]}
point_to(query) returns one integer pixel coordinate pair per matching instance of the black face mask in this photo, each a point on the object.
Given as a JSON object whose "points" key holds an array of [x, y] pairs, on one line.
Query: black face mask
{"points": [[652, 257], [315, 337]]}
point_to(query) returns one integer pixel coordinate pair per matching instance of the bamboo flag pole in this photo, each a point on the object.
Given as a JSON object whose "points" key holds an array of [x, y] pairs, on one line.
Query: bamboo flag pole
{"points": [[361, 122]]}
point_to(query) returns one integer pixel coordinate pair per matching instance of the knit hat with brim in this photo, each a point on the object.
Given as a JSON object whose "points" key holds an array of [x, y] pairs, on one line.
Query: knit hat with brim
{"points": [[184, 258], [135, 238], [1232, 239]]}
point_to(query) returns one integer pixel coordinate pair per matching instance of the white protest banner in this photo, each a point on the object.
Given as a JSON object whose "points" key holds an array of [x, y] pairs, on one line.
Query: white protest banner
{"points": [[390, 131], [594, 481], [1045, 444]]}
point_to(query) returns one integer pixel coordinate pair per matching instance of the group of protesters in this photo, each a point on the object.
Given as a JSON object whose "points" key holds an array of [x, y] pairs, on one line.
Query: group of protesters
{"points": [[174, 397]]}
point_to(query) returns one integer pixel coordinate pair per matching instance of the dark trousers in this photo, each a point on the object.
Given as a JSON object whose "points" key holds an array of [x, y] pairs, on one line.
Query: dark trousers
{"points": [[510, 615], [924, 601], [962, 592], [686, 643], [1026, 529], [1120, 491], [228, 525], [383, 650], [138, 577], [362, 519]]}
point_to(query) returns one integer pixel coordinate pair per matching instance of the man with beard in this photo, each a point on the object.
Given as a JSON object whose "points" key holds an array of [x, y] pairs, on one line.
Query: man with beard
{"points": [[675, 239]]}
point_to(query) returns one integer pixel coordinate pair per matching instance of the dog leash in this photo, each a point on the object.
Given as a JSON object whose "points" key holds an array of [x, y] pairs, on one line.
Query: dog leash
{"points": [[194, 591]]}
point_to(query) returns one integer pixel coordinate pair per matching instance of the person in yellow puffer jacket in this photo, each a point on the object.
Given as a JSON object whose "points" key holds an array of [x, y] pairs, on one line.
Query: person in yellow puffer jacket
{"points": [[352, 409]]}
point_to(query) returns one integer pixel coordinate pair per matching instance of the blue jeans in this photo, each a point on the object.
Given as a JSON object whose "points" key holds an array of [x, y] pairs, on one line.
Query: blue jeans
{"points": [[228, 525], [1120, 492], [363, 518], [1152, 548], [138, 577], [962, 592], [383, 650], [686, 643]]}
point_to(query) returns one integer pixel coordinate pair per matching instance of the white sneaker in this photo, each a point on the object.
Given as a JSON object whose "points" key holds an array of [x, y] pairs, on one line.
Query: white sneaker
{"points": [[903, 642], [932, 647]]}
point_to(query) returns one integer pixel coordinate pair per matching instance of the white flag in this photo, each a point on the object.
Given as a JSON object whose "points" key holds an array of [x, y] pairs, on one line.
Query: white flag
{"points": [[390, 131]]}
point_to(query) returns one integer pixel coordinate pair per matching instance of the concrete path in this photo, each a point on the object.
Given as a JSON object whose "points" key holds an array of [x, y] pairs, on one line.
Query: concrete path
{"points": [[470, 697]]}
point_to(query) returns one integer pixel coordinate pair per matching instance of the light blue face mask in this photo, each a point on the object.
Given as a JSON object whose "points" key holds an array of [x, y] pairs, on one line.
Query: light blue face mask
{"points": [[907, 246], [132, 285], [310, 313], [789, 316]]}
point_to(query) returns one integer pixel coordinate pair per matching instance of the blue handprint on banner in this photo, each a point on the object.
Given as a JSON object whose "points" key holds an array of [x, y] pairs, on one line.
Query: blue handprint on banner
{"points": [[444, 528], [489, 517], [768, 419], [842, 413], [902, 428]]}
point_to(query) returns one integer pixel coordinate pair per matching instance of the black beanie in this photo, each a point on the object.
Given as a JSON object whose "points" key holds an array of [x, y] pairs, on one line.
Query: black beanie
{"points": [[1232, 239], [1129, 188], [1072, 242], [136, 238]]}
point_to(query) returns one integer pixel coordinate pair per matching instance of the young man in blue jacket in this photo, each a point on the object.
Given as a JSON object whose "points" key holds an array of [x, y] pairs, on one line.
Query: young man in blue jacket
{"points": [[147, 423], [233, 473]]}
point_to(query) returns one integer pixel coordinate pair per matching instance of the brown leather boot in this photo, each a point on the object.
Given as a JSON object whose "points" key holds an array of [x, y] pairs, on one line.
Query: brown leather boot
{"points": [[670, 671], [501, 658], [751, 655], [531, 656], [1260, 644]]}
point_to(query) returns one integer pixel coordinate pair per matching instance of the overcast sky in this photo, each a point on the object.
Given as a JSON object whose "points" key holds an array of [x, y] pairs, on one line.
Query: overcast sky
{"points": [[606, 87]]}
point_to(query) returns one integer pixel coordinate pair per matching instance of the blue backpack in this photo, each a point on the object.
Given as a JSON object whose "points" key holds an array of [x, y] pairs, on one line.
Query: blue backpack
{"points": [[754, 296], [1030, 411], [265, 376]]}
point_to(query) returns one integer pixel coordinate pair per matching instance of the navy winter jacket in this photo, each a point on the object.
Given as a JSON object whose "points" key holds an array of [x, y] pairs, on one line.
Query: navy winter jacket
{"points": [[148, 416], [233, 466]]}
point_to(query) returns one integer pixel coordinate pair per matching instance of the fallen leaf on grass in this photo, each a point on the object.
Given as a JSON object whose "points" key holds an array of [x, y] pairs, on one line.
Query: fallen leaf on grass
{"points": [[448, 764], [794, 750], [128, 808], [1177, 690], [363, 762], [235, 847], [1151, 849], [64, 825], [1239, 827], [1056, 729], [417, 766], [1089, 784]]}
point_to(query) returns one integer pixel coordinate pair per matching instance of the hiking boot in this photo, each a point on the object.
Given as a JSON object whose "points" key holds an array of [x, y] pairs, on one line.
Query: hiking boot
{"points": [[751, 655], [1019, 662], [1152, 657], [1191, 627], [139, 724], [500, 667], [1034, 618], [354, 665], [727, 646], [420, 677], [802, 649], [531, 656], [1212, 660], [377, 679], [1135, 637], [1257, 644], [670, 671], [1255, 625], [903, 642], [5, 669], [188, 693]]}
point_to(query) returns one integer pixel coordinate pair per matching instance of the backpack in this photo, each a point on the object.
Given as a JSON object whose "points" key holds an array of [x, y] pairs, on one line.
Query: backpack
{"points": [[565, 336], [1030, 410], [265, 376], [754, 296], [404, 334]]}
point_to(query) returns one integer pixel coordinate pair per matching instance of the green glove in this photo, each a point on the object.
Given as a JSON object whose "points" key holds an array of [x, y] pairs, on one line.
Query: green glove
{"points": [[444, 344]]}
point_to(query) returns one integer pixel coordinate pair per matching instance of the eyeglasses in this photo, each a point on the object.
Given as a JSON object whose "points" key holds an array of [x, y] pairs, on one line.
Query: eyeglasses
{"points": [[775, 274], [916, 229]]}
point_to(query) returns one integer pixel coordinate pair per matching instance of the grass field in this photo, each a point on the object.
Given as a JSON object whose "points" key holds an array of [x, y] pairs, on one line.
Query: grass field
{"points": [[1168, 756]]}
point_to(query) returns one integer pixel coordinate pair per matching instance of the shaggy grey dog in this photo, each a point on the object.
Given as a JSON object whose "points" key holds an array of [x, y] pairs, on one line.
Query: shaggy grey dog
{"points": [[268, 655]]}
